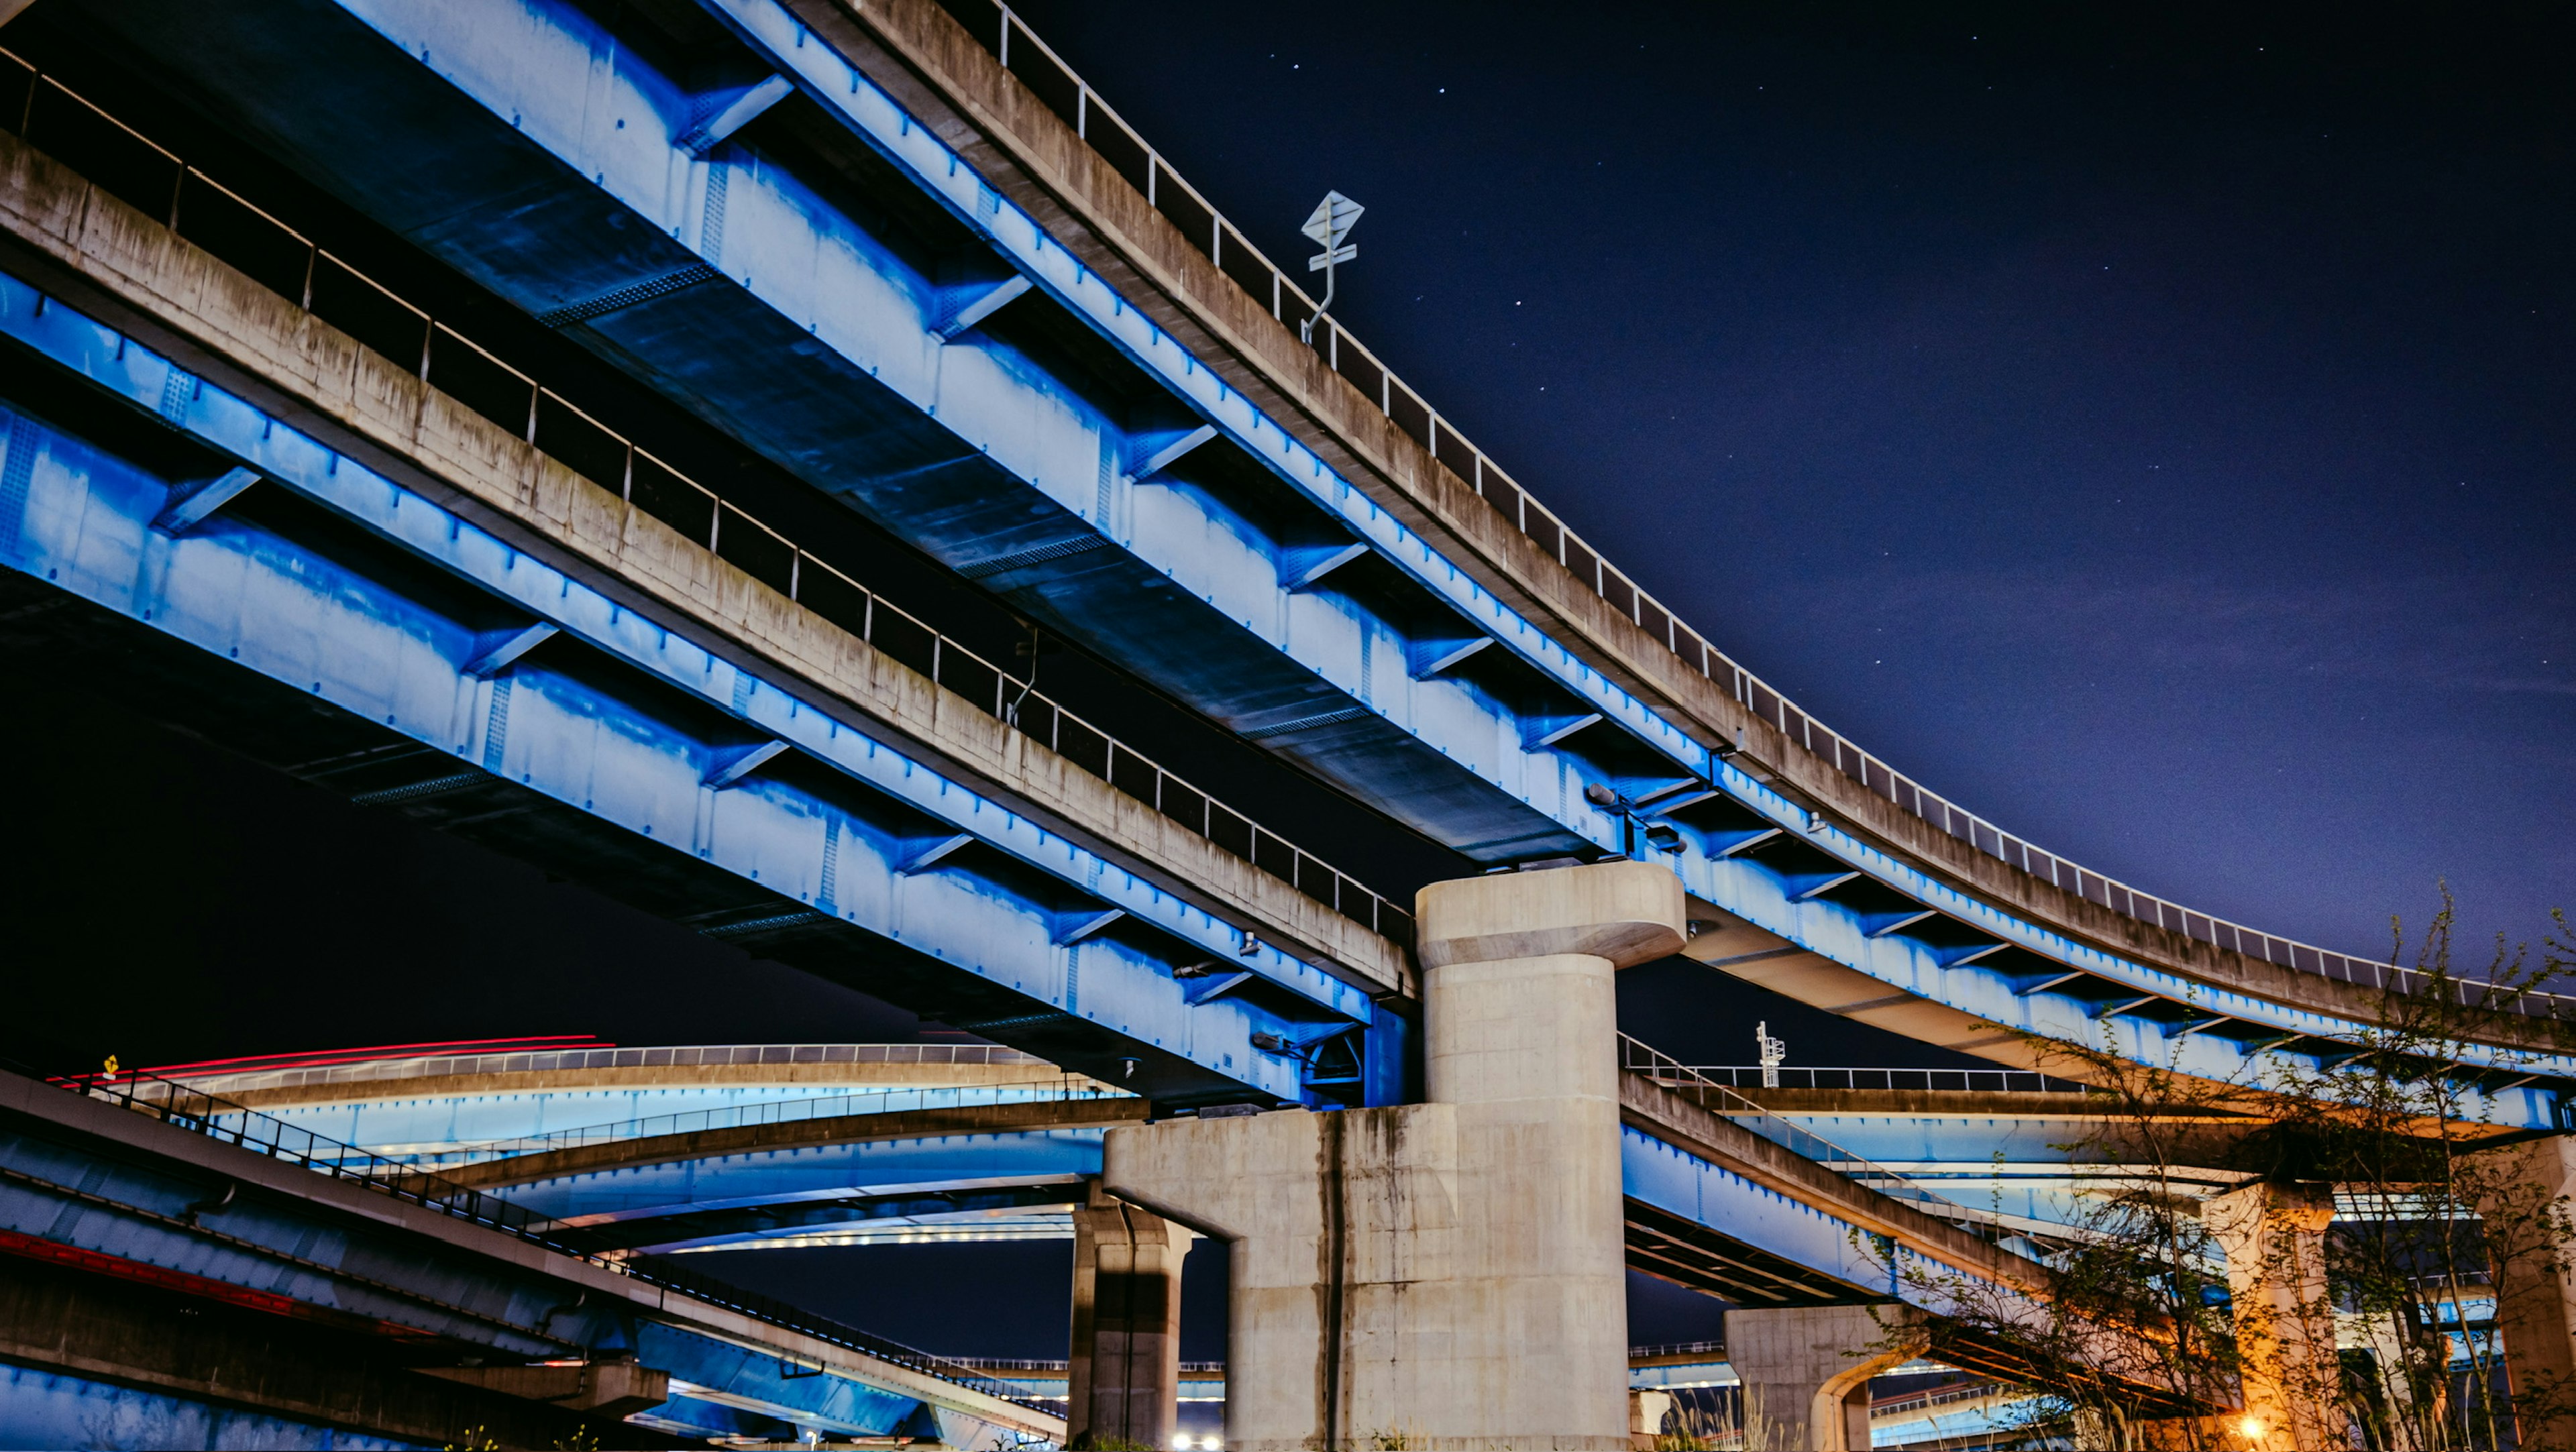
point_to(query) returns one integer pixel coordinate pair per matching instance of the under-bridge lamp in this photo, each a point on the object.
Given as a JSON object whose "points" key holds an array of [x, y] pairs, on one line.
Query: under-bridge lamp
{"points": [[1334, 217]]}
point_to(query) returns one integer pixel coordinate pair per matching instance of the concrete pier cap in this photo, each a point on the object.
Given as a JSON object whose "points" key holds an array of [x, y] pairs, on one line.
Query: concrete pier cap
{"points": [[1446, 1275], [1624, 912]]}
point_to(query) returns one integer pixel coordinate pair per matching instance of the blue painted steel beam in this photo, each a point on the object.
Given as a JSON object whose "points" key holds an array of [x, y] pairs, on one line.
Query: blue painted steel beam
{"points": [[1679, 1183], [56, 1409], [279, 607]]}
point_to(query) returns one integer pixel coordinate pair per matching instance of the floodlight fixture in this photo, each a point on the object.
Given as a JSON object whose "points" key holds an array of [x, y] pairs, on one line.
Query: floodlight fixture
{"points": [[1334, 217]]}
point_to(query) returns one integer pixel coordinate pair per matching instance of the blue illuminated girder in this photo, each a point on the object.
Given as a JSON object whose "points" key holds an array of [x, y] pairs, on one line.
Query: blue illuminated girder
{"points": [[82, 520]]}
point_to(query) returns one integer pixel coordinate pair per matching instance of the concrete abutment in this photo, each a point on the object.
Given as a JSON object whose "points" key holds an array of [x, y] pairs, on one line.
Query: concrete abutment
{"points": [[1805, 1370]]}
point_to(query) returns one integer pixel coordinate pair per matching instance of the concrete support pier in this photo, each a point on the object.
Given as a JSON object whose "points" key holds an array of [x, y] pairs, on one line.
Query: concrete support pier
{"points": [[2536, 1286], [1451, 1273], [1805, 1370], [1125, 1366], [2274, 1240]]}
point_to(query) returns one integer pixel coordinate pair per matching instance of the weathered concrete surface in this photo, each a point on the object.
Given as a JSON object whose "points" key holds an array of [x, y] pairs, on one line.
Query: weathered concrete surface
{"points": [[1647, 1409], [2274, 1239], [662, 1149], [1805, 1369], [1123, 1375], [606, 1389], [1451, 1273], [132, 272]]}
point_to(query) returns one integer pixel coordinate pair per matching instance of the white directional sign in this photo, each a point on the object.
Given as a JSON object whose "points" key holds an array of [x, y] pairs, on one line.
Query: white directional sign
{"points": [[1333, 219]]}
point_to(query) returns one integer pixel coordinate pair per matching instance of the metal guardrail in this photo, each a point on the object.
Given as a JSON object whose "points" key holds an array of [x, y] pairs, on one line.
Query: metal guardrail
{"points": [[998, 30], [1678, 1348], [540, 1061], [1717, 1098], [1016, 1363], [1937, 1081], [157, 182], [182, 1107]]}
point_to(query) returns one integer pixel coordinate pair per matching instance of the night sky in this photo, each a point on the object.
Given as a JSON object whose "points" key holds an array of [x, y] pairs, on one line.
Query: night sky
{"points": [[2156, 439]]}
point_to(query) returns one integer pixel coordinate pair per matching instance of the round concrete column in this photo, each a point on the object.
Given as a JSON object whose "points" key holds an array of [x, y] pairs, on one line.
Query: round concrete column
{"points": [[2274, 1240], [1520, 1038]]}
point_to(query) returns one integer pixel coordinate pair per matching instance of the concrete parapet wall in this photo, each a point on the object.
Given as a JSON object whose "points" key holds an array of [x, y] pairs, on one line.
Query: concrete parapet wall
{"points": [[623, 1079]]}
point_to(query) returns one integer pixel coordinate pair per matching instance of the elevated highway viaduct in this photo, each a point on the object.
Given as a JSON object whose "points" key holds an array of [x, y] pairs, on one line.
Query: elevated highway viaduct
{"points": [[929, 278], [898, 275]]}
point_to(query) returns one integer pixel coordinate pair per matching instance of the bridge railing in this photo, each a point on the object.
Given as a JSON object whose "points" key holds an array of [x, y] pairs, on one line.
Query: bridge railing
{"points": [[1922, 1401], [1936, 1081], [241, 1081], [186, 1108], [1721, 1099], [155, 180], [1061, 90]]}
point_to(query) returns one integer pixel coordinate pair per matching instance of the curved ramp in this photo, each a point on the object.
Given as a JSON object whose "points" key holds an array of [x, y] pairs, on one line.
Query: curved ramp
{"points": [[1039, 1117]]}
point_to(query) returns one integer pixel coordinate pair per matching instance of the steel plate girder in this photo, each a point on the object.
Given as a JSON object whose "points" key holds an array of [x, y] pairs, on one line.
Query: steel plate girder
{"points": [[817, 308], [1680, 1183], [758, 1381], [282, 610]]}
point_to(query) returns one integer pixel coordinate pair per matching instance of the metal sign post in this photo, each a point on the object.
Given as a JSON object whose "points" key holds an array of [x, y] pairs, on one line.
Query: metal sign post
{"points": [[1334, 217]]}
